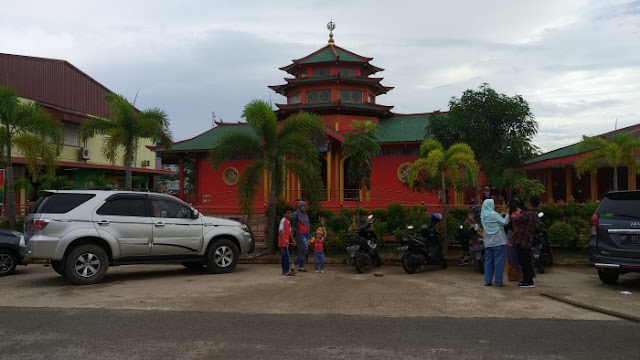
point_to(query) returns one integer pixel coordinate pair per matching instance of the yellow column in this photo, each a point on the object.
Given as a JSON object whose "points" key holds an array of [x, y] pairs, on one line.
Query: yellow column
{"points": [[549, 185], [329, 174], [568, 171], [341, 169], [266, 185], [632, 179], [594, 186], [368, 195], [299, 192]]}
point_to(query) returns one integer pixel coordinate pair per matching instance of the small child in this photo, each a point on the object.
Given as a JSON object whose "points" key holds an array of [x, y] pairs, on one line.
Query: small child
{"points": [[283, 242], [318, 250]]}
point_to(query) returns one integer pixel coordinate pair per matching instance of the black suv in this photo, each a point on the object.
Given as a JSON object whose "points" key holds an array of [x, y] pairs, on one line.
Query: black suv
{"points": [[614, 247]]}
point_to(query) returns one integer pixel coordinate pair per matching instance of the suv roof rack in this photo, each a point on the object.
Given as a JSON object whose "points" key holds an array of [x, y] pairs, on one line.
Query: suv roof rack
{"points": [[107, 188]]}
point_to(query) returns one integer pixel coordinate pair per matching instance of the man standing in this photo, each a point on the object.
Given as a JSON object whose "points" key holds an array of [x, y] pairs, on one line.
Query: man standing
{"points": [[523, 237]]}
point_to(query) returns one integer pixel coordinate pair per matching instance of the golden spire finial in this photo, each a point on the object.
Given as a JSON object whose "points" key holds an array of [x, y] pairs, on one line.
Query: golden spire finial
{"points": [[331, 26]]}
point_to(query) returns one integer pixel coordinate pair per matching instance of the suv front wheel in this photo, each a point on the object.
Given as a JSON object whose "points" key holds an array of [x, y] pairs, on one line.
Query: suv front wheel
{"points": [[222, 256], [608, 276], [86, 264]]}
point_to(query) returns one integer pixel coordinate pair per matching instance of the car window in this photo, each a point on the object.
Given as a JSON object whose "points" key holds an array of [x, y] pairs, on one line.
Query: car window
{"points": [[170, 209], [124, 207], [617, 205], [59, 203]]}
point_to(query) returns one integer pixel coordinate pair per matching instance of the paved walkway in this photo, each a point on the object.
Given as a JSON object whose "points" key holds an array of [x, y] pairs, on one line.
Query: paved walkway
{"points": [[456, 291]]}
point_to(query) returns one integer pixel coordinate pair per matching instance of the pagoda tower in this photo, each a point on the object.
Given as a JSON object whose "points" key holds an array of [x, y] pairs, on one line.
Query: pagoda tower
{"points": [[334, 83]]}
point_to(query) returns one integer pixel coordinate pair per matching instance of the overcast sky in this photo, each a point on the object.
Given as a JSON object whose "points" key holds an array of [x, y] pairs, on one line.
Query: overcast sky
{"points": [[576, 62]]}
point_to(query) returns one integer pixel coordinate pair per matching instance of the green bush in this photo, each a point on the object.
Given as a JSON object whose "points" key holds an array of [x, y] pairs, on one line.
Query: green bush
{"points": [[580, 225], [4, 224], [587, 210], [457, 214], [562, 234], [327, 214], [396, 216], [552, 212], [572, 209], [337, 224], [337, 243]]}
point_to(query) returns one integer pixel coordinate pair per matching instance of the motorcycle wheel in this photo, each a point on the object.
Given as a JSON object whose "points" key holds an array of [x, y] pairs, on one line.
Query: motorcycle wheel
{"points": [[540, 266], [358, 262], [443, 263], [409, 267], [547, 260], [377, 262]]}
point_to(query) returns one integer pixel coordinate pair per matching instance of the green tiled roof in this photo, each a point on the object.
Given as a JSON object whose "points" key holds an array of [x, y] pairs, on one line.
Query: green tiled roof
{"points": [[562, 152], [205, 140], [403, 128], [398, 128], [326, 55]]}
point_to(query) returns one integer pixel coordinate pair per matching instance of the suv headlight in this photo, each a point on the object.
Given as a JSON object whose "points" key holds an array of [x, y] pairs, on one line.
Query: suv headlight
{"points": [[245, 228]]}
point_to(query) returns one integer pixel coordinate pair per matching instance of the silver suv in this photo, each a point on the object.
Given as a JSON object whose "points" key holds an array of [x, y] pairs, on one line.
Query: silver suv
{"points": [[83, 232]]}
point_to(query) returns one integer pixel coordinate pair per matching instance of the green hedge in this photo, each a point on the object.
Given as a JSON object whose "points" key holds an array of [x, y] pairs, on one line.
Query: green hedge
{"points": [[562, 234]]}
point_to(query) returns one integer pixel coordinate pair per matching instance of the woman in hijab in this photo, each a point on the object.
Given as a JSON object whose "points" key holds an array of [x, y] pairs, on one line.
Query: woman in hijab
{"points": [[495, 240], [300, 220]]}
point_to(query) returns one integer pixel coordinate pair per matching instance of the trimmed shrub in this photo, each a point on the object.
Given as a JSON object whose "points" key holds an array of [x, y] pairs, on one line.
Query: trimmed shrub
{"points": [[580, 225], [336, 243], [457, 214], [396, 216], [587, 210], [562, 234], [552, 212]]}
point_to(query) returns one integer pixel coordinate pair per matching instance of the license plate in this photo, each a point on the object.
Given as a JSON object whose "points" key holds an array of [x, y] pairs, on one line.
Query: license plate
{"points": [[353, 248], [403, 248], [630, 239]]}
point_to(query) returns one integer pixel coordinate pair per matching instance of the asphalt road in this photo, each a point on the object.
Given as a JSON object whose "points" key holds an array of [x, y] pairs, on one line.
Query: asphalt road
{"points": [[45, 333]]}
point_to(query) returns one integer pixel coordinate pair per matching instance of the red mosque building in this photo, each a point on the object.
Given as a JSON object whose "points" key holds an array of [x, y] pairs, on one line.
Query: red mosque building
{"points": [[341, 88]]}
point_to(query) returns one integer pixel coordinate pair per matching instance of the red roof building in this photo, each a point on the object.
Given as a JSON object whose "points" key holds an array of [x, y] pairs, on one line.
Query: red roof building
{"points": [[338, 85], [556, 170], [70, 95]]}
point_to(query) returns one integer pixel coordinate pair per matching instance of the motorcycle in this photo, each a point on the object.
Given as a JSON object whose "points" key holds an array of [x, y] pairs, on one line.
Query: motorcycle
{"points": [[541, 250], [471, 238], [423, 248], [363, 247]]}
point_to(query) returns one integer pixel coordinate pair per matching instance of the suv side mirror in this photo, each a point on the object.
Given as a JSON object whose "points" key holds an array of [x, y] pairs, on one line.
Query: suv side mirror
{"points": [[195, 214]]}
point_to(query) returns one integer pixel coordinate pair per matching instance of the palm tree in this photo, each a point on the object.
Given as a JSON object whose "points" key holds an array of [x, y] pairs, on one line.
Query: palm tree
{"points": [[31, 131], [279, 151], [456, 163], [124, 130], [621, 150], [360, 145]]}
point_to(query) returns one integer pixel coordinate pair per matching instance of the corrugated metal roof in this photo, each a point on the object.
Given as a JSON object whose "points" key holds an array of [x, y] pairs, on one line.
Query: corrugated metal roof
{"points": [[53, 82], [572, 149]]}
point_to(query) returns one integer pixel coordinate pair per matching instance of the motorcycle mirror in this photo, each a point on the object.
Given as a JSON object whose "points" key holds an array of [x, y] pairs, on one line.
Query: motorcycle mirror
{"points": [[370, 216], [410, 227], [540, 214], [461, 227]]}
